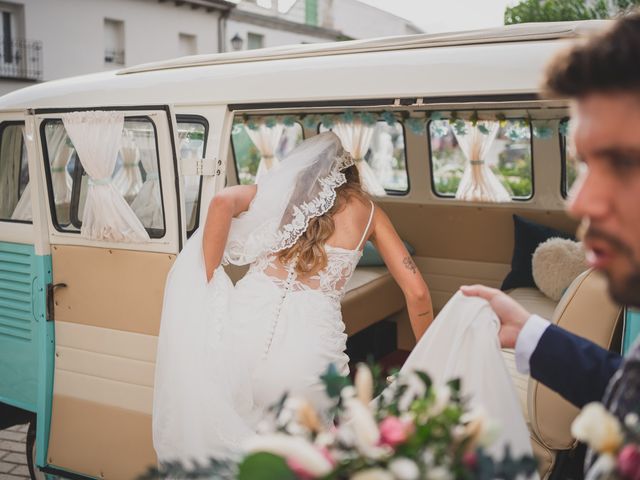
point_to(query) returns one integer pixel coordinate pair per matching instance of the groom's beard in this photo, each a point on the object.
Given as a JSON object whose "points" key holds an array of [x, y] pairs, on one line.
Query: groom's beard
{"points": [[623, 274]]}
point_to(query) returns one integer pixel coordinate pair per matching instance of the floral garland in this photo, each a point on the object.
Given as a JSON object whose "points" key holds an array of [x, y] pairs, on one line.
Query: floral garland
{"points": [[516, 128]]}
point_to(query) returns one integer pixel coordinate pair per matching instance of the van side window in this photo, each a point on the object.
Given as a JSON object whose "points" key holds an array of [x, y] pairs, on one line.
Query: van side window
{"points": [[459, 150], [386, 156], [15, 200], [136, 176], [569, 159], [192, 138], [257, 149]]}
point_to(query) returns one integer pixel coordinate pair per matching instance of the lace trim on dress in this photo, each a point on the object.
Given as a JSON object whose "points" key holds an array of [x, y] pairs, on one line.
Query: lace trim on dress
{"points": [[289, 233]]}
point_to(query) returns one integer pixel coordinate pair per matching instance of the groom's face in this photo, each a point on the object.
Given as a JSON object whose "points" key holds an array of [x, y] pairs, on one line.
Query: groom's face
{"points": [[606, 195]]}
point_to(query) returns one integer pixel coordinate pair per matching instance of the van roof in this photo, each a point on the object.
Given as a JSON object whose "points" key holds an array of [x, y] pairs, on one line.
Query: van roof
{"points": [[511, 33], [417, 66]]}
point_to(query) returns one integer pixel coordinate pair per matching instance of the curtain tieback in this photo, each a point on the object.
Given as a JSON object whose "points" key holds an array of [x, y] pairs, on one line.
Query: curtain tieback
{"points": [[152, 176], [129, 165], [57, 169], [100, 181], [476, 162]]}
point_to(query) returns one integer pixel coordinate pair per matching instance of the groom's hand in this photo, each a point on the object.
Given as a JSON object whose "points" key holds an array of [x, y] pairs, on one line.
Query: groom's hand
{"points": [[511, 314]]}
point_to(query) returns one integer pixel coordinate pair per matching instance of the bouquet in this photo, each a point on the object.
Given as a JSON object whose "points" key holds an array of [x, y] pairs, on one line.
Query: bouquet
{"points": [[411, 430], [617, 444]]}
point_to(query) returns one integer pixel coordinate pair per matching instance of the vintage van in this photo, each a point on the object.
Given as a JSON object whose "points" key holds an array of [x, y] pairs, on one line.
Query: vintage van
{"points": [[104, 177]]}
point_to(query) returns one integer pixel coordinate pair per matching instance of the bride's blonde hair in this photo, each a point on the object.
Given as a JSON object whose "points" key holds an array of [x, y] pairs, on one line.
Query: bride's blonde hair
{"points": [[310, 246]]}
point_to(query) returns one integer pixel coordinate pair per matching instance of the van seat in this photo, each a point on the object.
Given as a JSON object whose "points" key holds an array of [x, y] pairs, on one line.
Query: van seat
{"points": [[372, 295], [586, 310]]}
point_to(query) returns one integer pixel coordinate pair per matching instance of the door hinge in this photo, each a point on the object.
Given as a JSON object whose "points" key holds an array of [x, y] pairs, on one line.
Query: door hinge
{"points": [[50, 302], [204, 167]]}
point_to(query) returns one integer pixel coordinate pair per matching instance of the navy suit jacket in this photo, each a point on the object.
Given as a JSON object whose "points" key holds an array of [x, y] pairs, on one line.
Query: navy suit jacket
{"points": [[576, 368]]}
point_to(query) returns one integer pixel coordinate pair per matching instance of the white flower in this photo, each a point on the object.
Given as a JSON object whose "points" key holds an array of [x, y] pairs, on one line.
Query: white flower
{"points": [[348, 392], [480, 429], [362, 423], [325, 439], [364, 383], [372, 474], [631, 420], [442, 399], [404, 469], [416, 388], [598, 428], [296, 448], [439, 473], [428, 457]]}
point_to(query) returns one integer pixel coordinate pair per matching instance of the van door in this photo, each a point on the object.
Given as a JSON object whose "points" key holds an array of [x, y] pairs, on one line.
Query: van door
{"points": [[107, 285], [25, 270]]}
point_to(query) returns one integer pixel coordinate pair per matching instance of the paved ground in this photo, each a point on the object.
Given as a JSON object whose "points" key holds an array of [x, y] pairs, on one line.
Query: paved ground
{"points": [[13, 460]]}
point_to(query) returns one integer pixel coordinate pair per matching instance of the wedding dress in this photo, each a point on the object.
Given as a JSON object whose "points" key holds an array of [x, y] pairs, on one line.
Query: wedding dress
{"points": [[227, 352]]}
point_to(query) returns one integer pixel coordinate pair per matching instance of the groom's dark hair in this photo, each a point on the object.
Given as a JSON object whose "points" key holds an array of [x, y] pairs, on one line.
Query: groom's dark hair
{"points": [[606, 63]]}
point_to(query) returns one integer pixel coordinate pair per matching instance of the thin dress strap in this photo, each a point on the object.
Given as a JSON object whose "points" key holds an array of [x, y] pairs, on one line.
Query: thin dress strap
{"points": [[366, 230]]}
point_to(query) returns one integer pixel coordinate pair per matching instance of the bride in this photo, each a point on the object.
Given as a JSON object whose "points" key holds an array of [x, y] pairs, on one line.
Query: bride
{"points": [[226, 353]]}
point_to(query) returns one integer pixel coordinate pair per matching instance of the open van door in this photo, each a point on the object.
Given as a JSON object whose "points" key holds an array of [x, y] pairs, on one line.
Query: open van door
{"points": [[107, 288], [26, 339]]}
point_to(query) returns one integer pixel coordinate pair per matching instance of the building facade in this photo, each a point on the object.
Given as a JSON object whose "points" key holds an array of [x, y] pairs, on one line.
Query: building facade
{"points": [[49, 39]]}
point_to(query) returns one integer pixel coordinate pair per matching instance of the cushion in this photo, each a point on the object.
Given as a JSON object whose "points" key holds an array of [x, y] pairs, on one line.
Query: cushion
{"points": [[527, 236], [371, 257], [555, 264]]}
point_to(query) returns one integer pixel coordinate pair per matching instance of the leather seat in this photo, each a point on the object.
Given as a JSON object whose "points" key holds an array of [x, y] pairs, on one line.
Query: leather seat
{"points": [[586, 310]]}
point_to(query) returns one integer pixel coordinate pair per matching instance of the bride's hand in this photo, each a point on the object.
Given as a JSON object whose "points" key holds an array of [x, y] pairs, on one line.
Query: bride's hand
{"points": [[511, 314]]}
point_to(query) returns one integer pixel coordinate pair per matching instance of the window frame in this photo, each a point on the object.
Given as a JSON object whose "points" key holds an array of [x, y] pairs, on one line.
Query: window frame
{"points": [[77, 180], [562, 139], [235, 158], [452, 197], [390, 192], [3, 126], [194, 118]]}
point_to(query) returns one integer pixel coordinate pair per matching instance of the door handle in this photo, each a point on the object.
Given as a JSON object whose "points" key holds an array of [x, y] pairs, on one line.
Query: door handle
{"points": [[50, 304]]}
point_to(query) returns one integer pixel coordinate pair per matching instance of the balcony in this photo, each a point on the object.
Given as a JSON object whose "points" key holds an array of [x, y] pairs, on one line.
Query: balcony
{"points": [[20, 59], [113, 56]]}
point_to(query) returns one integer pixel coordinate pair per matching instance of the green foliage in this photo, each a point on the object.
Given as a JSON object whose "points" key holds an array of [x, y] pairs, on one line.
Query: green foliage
{"points": [[564, 10], [264, 466]]}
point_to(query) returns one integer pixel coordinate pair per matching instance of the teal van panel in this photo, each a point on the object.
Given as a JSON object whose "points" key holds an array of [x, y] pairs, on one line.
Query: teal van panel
{"points": [[631, 329], [19, 327]]}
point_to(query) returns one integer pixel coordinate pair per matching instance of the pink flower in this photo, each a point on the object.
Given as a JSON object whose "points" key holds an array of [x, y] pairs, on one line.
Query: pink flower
{"points": [[303, 473], [629, 462], [470, 460], [394, 431]]}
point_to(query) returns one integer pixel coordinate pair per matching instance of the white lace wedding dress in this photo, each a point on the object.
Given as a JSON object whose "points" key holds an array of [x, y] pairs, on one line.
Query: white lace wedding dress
{"points": [[228, 352]]}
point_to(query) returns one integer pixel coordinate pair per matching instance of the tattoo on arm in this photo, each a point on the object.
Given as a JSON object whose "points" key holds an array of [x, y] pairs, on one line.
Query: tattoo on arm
{"points": [[424, 314], [410, 265]]}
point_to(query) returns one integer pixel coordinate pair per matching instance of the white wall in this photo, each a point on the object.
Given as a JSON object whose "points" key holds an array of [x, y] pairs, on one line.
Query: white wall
{"points": [[272, 36], [359, 20], [72, 33]]}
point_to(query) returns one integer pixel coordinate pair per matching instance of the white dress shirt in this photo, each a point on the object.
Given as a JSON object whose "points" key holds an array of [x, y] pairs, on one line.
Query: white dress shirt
{"points": [[528, 340]]}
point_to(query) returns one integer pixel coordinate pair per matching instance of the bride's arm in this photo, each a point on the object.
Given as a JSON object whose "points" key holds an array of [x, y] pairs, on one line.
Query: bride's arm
{"points": [[223, 207], [404, 271]]}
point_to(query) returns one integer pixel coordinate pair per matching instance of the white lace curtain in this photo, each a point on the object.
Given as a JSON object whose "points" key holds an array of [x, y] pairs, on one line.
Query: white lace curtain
{"points": [[356, 139], [129, 179], [60, 151], [266, 140], [478, 182], [9, 172], [96, 136], [148, 202]]}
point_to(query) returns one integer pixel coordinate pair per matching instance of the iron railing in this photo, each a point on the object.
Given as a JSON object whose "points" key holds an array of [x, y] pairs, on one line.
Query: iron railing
{"points": [[20, 59], [114, 56]]}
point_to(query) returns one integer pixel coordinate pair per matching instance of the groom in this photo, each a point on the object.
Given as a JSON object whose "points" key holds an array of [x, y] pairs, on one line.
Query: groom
{"points": [[602, 78]]}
